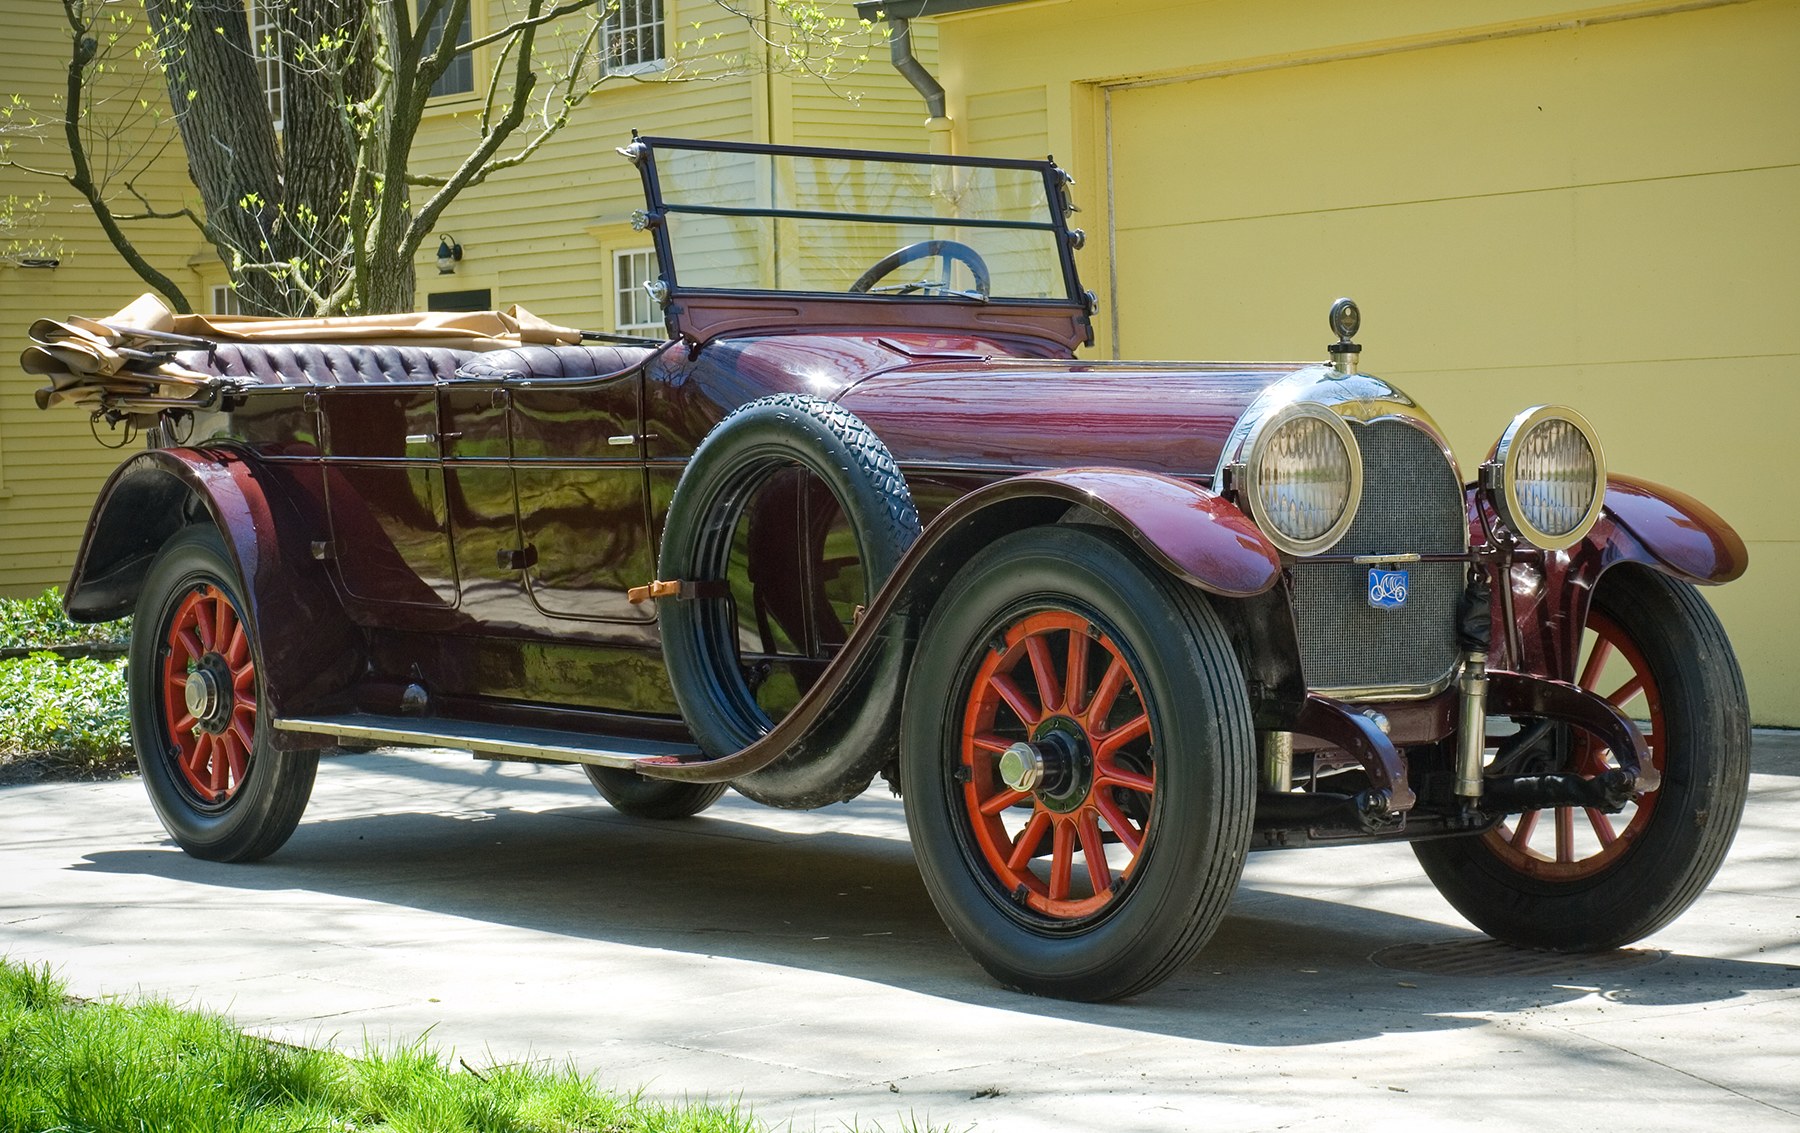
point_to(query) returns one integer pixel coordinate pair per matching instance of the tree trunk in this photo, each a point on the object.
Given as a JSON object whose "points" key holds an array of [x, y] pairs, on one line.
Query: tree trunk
{"points": [[233, 157]]}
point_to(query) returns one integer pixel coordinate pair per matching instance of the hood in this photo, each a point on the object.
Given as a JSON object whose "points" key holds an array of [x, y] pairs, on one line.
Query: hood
{"points": [[1014, 415]]}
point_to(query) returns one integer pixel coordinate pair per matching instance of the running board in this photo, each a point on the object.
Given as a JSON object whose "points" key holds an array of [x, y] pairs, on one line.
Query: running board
{"points": [[493, 740]]}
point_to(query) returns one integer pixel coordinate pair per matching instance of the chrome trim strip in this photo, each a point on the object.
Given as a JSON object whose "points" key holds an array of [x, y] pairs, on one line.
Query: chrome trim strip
{"points": [[484, 740]]}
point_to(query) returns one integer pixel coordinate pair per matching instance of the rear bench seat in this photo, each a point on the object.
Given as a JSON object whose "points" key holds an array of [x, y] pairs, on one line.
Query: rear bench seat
{"points": [[331, 364]]}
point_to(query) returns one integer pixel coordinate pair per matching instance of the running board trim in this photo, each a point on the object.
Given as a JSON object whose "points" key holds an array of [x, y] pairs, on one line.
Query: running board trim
{"points": [[492, 740]]}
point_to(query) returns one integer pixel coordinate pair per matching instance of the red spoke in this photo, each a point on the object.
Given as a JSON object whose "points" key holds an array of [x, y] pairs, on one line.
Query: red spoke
{"points": [[237, 651], [1093, 848], [1062, 860], [1076, 682], [201, 625], [243, 723], [1107, 772], [1626, 691], [1016, 699], [236, 758], [185, 724], [1565, 834], [1603, 827], [1003, 800], [1129, 835], [1110, 686], [1106, 743], [190, 644], [243, 681], [1043, 671], [988, 741], [1590, 672], [1524, 828], [223, 620], [1024, 847]]}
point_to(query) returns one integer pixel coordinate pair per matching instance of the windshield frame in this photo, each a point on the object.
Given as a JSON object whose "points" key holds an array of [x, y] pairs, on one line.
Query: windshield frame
{"points": [[642, 153]]}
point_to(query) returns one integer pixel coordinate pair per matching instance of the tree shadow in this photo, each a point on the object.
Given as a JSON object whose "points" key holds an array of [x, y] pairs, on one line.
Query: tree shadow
{"points": [[1282, 970]]}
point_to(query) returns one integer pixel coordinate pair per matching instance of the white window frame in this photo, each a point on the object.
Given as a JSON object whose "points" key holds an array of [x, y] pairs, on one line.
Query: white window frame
{"points": [[645, 21], [265, 38], [632, 268], [225, 300]]}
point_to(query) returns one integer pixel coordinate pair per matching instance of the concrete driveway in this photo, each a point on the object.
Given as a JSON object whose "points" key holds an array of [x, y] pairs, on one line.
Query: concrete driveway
{"points": [[793, 962]]}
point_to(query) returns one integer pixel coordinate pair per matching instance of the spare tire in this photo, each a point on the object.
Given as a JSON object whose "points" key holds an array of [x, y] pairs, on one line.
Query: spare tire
{"points": [[758, 442]]}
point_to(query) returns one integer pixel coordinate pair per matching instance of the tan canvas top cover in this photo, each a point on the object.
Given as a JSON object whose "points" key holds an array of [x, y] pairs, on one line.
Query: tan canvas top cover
{"points": [[122, 361]]}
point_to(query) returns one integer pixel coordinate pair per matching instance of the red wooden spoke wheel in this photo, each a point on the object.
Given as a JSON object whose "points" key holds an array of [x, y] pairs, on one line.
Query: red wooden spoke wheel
{"points": [[201, 728], [1058, 780], [209, 694], [1570, 843], [1578, 880], [1077, 763]]}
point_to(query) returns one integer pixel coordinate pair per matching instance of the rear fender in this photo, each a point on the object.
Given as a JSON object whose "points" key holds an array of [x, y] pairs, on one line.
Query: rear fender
{"points": [[309, 649], [1189, 530], [1644, 525]]}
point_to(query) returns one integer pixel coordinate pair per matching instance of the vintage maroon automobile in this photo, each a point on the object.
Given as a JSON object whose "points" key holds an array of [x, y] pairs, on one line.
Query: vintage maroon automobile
{"points": [[1105, 626]]}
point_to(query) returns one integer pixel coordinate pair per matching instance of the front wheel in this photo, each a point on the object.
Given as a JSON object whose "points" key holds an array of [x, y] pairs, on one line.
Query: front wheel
{"points": [[1578, 880], [1076, 758], [199, 719]]}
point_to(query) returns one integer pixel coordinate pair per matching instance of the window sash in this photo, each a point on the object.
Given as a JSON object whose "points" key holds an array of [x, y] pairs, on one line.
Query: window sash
{"points": [[632, 36], [634, 312]]}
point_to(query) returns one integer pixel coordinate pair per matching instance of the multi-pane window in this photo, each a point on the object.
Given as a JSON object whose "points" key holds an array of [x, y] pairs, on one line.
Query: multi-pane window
{"points": [[635, 312], [460, 77], [265, 43], [631, 36], [225, 301]]}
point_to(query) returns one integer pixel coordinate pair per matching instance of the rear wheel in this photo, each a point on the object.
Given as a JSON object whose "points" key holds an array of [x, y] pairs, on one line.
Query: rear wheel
{"points": [[631, 793], [1576, 879], [1076, 762], [199, 719]]}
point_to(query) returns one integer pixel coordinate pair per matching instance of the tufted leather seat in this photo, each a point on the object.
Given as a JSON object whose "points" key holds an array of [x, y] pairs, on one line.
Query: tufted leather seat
{"points": [[327, 364], [526, 362]]}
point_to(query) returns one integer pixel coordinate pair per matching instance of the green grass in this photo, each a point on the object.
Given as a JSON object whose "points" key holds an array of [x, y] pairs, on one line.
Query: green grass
{"points": [[39, 622], [63, 717], [99, 1067], [60, 717]]}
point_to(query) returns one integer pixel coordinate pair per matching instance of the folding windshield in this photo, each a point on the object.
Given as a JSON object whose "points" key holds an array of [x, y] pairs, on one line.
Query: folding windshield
{"points": [[746, 218]]}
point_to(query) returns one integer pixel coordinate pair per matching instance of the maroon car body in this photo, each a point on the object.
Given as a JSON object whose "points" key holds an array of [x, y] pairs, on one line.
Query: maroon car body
{"points": [[650, 559]]}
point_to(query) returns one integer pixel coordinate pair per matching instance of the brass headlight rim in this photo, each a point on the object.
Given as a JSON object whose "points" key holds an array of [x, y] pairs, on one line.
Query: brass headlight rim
{"points": [[1506, 453], [1256, 449]]}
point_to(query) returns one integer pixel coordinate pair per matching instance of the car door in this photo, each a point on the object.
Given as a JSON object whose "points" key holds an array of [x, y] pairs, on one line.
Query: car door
{"points": [[583, 521]]}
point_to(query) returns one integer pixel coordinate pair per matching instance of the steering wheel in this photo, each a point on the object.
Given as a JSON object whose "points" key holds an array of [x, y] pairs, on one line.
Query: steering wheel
{"points": [[923, 250]]}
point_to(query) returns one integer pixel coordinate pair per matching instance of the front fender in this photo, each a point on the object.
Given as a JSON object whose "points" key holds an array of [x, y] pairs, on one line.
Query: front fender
{"points": [[1189, 530], [1673, 531], [309, 649], [1643, 524]]}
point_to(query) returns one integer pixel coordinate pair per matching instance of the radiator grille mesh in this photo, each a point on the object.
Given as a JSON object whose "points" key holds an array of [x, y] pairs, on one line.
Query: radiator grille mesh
{"points": [[1411, 502]]}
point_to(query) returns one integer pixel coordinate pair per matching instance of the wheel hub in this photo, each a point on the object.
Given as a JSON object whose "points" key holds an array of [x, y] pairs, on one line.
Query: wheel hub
{"points": [[1057, 765], [208, 694]]}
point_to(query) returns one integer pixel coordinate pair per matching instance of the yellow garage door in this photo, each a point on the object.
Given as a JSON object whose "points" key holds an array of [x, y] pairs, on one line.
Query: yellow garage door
{"points": [[1605, 214]]}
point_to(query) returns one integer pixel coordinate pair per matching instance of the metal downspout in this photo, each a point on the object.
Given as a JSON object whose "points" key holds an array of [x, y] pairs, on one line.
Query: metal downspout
{"points": [[900, 44]]}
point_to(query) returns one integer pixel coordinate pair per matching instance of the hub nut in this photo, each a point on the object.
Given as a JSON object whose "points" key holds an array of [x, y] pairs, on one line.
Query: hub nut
{"points": [[1022, 767]]}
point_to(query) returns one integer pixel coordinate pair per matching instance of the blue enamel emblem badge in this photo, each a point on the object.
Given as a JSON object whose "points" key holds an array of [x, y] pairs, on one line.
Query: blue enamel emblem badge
{"points": [[1387, 588]]}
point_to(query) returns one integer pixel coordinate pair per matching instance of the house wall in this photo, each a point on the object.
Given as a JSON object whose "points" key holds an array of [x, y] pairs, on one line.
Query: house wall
{"points": [[1532, 202], [50, 466], [542, 235]]}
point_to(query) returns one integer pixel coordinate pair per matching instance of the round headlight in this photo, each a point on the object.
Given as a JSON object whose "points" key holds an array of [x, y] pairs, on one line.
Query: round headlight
{"points": [[1552, 476], [1303, 478]]}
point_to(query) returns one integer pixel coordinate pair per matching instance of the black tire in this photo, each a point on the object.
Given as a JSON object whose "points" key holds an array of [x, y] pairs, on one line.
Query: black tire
{"points": [[1668, 845], [745, 450], [631, 793], [219, 786], [1090, 596]]}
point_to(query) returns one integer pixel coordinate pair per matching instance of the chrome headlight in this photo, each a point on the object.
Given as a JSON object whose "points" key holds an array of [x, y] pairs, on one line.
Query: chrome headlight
{"points": [[1552, 476], [1303, 478]]}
